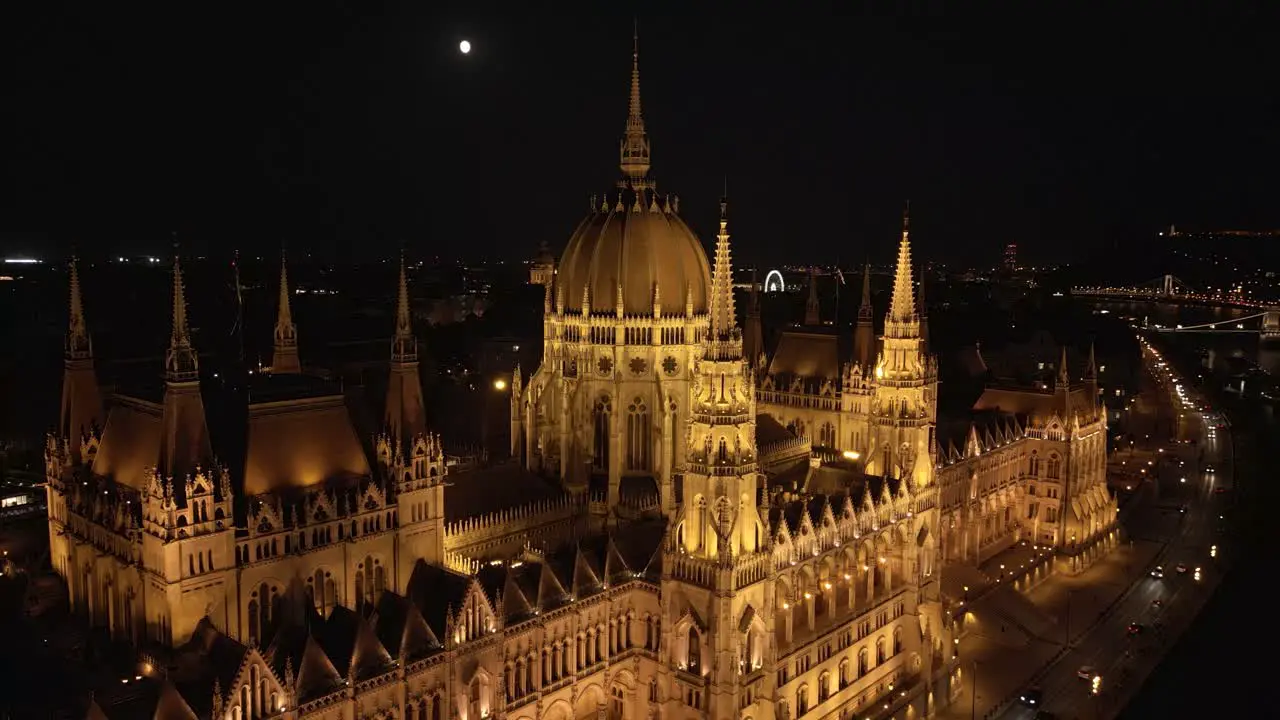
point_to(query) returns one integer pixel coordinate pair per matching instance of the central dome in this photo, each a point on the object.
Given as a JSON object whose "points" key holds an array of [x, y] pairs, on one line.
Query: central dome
{"points": [[636, 241]]}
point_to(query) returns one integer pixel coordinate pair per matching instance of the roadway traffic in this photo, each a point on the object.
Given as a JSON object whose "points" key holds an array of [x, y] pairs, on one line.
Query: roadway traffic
{"points": [[1105, 664]]}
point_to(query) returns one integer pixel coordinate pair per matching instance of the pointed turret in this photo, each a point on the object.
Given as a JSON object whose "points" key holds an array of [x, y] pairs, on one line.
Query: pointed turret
{"points": [[181, 363], [186, 443], [1064, 378], [865, 311], [864, 334], [902, 308], [285, 355], [404, 346], [634, 151], [1091, 378], [405, 416], [79, 344], [81, 409], [812, 310], [724, 317]]}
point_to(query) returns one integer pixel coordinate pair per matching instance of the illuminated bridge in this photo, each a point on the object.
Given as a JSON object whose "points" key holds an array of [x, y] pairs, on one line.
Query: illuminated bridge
{"points": [[1168, 288]]}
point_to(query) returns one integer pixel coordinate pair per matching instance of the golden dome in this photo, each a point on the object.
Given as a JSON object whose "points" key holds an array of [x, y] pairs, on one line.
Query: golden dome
{"points": [[638, 242]]}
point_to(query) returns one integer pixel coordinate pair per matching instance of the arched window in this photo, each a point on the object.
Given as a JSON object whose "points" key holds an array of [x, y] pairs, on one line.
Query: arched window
{"points": [[638, 435], [600, 460], [844, 673], [722, 452], [1055, 467], [1034, 464], [694, 651], [824, 687], [862, 662], [255, 628], [879, 650], [617, 701], [827, 435], [897, 640], [802, 700], [436, 702]]}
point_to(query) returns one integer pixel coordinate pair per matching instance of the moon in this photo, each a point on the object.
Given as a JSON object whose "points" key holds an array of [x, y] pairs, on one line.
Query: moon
{"points": [[465, 46]]}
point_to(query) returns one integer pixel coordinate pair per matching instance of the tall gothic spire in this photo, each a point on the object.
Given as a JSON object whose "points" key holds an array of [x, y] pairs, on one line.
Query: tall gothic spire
{"points": [[181, 363], [812, 310], [285, 355], [864, 310], [1091, 370], [634, 153], [1064, 378], [79, 344], [404, 347], [902, 309], [723, 314]]}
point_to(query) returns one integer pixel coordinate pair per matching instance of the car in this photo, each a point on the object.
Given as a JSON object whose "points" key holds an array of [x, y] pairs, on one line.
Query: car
{"points": [[1157, 604], [1134, 629], [1209, 469], [1181, 568], [1033, 697], [1086, 672], [1157, 572]]}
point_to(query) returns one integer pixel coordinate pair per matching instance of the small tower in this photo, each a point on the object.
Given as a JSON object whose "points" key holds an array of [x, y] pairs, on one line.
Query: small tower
{"points": [[517, 403], [419, 480], [1091, 379], [81, 413], [864, 334], [405, 417], [906, 389], [284, 358], [719, 522], [812, 311]]}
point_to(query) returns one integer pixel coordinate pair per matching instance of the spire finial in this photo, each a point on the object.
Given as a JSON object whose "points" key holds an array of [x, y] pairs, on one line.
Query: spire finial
{"points": [[181, 364], [902, 308], [635, 142], [1064, 379], [404, 347], [79, 344], [285, 352], [812, 310], [1091, 370]]}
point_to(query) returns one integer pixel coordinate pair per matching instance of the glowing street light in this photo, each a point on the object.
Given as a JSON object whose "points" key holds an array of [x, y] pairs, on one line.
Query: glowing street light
{"points": [[500, 385]]}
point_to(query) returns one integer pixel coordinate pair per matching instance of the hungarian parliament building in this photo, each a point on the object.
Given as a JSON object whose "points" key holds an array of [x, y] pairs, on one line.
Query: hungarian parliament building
{"points": [[692, 525]]}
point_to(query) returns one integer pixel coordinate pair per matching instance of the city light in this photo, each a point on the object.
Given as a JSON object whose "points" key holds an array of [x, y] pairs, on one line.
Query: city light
{"points": [[499, 384]]}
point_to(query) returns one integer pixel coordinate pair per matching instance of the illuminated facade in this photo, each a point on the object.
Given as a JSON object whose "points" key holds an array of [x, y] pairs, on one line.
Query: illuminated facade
{"points": [[656, 551]]}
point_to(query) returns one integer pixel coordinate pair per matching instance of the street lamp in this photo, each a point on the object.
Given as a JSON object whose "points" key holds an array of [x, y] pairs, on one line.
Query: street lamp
{"points": [[500, 385]]}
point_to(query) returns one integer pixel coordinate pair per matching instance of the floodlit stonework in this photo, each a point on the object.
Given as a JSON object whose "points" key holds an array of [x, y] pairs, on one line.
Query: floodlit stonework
{"points": [[663, 546]]}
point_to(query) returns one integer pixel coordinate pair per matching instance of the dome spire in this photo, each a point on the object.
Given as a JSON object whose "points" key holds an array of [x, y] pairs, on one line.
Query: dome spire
{"points": [[634, 154]]}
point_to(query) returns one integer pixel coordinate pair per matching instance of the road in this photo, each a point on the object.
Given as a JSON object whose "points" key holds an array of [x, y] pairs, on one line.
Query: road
{"points": [[1108, 648]]}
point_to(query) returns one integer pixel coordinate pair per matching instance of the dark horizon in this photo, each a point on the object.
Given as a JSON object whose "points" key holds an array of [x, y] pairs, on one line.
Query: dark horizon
{"points": [[350, 133]]}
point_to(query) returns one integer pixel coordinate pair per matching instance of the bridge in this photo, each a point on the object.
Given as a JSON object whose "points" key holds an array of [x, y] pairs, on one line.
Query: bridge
{"points": [[1168, 288]]}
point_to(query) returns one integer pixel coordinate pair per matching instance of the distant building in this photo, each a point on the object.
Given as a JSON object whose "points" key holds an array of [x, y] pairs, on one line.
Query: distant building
{"points": [[1011, 256]]}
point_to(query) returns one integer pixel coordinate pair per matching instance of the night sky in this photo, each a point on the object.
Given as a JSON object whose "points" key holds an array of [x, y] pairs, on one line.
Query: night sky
{"points": [[347, 129]]}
